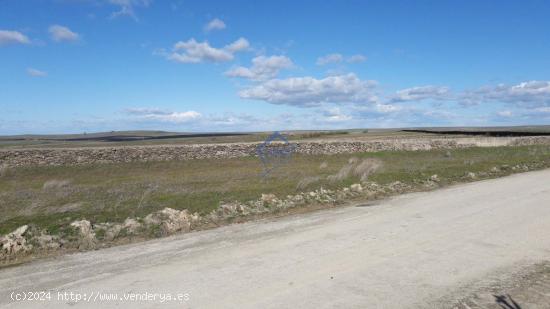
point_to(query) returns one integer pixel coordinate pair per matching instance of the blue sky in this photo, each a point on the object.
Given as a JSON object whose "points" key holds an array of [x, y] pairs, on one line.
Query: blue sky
{"points": [[69, 66]]}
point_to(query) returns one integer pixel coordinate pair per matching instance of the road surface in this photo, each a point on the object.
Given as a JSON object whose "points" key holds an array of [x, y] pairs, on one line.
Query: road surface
{"points": [[413, 251]]}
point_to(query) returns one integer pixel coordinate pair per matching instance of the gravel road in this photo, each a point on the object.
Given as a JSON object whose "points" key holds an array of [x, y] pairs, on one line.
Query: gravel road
{"points": [[420, 250]]}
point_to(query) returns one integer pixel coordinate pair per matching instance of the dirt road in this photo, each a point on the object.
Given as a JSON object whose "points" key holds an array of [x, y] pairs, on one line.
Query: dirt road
{"points": [[415, 251]]}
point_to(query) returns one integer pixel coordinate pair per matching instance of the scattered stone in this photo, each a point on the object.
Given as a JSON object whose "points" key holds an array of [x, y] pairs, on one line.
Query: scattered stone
{"points": [[170, 220], [434, 178], [132, 226], [356, 187], [471, 175], [14, 243], [46, 241], [113, 231], [268, 198], [87, 238]]}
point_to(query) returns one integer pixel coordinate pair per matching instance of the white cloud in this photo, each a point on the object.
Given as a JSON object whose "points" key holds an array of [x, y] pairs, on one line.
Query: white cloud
{"points": [[215, 24], [338, 58], [152, 114], [531, 93], [309, 91], [421, 93], [13, 37], [126, 7], [36, 73], [387, 108], [192, 51], [335, 115], [262, 68], [356, 59], [239, 45], [331, 58], [60, 33]]}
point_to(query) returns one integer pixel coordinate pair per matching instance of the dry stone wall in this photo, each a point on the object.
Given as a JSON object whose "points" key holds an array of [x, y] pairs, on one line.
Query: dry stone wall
{"points": [[99, 155]]}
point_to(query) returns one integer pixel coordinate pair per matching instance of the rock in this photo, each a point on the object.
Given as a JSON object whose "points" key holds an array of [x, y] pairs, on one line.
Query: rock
{"points": [[14, 243], [20, 231], [434, 178], [113, 231], [170, 220], [131, 225], [268, 198], [356, 187], [86, 235], [495, 169], [226, 210], [152, 219], [96, 155], [471, 175], [46, 241]]}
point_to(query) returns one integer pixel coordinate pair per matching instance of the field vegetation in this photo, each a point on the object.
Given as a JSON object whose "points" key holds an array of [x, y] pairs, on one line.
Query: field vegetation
{"points": [[53, 197]]}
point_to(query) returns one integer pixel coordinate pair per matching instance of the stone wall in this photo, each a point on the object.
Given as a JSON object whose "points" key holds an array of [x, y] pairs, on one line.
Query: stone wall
{"points": [[95, 155]]}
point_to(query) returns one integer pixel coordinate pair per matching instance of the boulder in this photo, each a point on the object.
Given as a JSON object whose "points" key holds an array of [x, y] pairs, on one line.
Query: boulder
{"points": [[86, 235], [14, 243], [131, 225], [170, 220], [268, 198], [356, 187]]}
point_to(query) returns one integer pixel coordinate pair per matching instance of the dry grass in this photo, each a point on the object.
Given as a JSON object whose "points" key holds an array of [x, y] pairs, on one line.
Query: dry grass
{"points": [[54, 184], [354, 167], [52, 197]]}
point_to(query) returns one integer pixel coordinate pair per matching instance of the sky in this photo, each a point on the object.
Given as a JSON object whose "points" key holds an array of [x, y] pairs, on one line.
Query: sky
{"points": [[72, 66]]}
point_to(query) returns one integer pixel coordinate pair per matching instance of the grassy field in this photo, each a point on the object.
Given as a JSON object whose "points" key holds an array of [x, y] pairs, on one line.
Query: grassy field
{"points": [[52, 197], [72, 141]]}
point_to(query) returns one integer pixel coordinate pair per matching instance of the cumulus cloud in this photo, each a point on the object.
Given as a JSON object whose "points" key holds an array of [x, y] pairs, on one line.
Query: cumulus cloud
{"points": [[13, 37], [338, 58], [126, 7], [36, 73], [421, 93], [534, 93], [215, 24], [152, 114], [309, 91], [262, 68], [60, 33], [237, 46], [192, 51]]}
